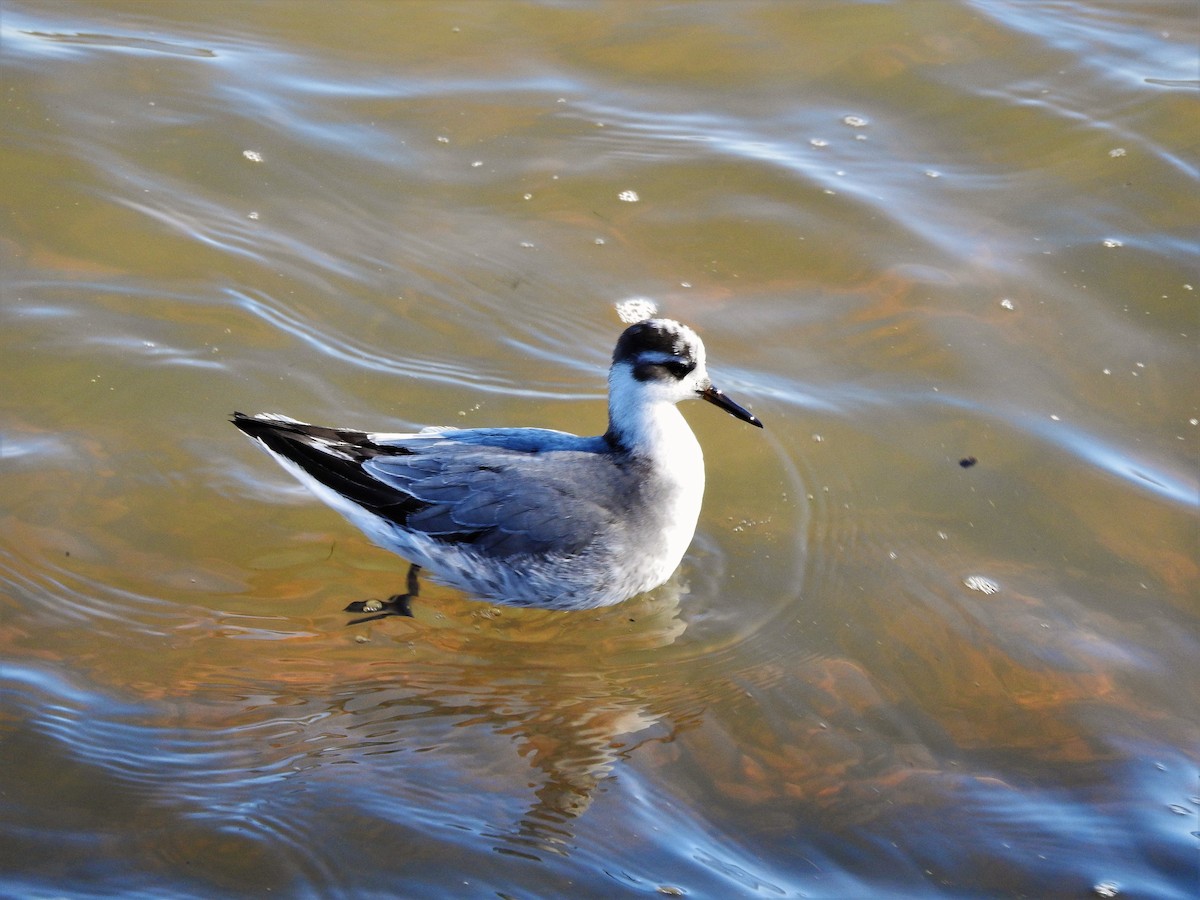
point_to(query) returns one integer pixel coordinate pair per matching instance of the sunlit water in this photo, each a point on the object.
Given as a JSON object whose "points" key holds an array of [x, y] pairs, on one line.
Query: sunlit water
{"points": [[913, 235]]}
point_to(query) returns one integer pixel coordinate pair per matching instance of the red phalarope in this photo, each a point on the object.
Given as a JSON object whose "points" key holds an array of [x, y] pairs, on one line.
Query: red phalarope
{"points": [[528, 516]]}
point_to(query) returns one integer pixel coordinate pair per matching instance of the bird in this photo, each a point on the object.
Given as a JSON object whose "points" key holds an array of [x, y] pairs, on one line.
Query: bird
{"points": [[528, 517]]}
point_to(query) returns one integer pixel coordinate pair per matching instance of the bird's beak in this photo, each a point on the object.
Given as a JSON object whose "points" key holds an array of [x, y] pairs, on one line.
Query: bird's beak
{"points": [[716, 398]]}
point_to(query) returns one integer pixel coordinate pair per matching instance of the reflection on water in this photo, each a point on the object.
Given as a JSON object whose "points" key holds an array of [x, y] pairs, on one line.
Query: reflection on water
{"points": [[556, 731], [934, 232]]}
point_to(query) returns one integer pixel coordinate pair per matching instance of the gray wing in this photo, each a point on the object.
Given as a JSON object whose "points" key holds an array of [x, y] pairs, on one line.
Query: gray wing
{"points": [[504, 502]]}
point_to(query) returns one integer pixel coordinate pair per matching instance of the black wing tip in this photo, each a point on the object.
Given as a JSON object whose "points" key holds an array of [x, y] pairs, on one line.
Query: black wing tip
{"points": [[243, 422], [237, 418], [254, 426]]}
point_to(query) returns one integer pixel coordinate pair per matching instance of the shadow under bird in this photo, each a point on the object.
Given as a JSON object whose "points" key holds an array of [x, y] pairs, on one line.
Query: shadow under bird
{"points": [[528, 516]]}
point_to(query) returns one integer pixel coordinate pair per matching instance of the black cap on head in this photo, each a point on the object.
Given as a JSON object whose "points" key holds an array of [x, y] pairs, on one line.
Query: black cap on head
{"points": [[653, 335], [659, 350]]}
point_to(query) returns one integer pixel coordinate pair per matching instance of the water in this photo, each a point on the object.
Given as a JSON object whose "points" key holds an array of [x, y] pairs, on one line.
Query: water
{"points": [[910, 233]]}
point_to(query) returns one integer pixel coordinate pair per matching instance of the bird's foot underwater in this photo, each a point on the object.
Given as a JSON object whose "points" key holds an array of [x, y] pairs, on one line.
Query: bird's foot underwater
{"points": [[395, 605]]}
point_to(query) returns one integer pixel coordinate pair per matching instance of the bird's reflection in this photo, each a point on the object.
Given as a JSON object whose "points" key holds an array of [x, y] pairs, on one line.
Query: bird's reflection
{"points": [[563, 687]]}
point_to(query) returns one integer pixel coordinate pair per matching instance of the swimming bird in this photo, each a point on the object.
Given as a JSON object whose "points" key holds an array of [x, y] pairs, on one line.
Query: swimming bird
{"points": [[529, 516]]}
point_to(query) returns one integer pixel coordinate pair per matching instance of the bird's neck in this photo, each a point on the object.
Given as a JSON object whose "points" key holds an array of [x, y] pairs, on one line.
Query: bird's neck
{"points": [[659, 434]]}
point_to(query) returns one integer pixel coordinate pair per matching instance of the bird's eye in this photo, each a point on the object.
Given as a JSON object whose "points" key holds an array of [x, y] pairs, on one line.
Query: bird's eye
{"points": [[672, 368], [678, 368]]}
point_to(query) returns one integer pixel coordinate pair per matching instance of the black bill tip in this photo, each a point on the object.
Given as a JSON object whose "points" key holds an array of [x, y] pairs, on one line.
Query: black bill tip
{"points": [[717, 398]]}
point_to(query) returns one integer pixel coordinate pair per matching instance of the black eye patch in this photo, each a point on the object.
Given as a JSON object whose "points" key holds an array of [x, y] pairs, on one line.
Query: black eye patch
{"points": [[677, 369]]}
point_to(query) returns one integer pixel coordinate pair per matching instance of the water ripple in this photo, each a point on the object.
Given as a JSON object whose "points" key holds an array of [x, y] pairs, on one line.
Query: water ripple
{"points": [[916, 242], [1159, 477], [356, 352]]}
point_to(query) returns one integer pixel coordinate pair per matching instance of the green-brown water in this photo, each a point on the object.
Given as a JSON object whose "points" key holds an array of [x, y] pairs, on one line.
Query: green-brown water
{"points": [[910, 233]]}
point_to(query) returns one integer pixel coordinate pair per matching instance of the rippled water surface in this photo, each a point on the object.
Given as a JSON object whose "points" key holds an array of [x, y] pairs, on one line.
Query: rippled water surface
{"points": [[913, 235]]}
